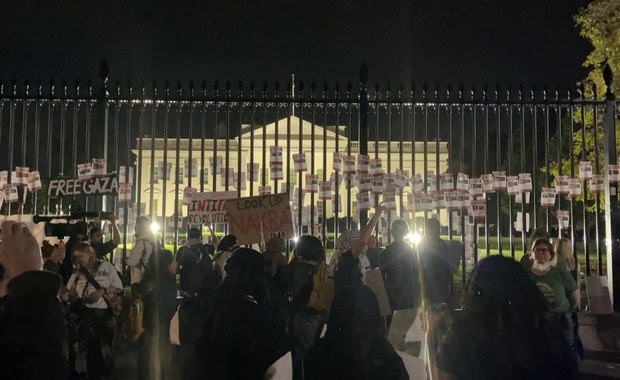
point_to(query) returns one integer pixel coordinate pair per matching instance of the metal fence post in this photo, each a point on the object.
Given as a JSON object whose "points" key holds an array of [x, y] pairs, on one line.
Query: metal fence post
{"points": [[363, 125], [612, 211], [100, 133]]}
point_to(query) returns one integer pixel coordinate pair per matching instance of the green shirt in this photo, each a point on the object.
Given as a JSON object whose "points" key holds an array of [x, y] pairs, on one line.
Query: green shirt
{"points": [[557, 286]]}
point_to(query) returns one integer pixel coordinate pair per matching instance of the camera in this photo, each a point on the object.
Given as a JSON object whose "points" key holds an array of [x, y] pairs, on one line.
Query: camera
{"points": [[70, 227]]}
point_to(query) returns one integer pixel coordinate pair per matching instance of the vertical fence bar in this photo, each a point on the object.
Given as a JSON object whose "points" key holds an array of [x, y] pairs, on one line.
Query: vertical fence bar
{"points": [[534, 112], [573, 232], [511, 170], [324, 103], [37, 138], [450, 154], [597, 196], [498, 165], [337, 204], [239, 141], [401, 149], [138, 209], [177, 178], [485, 167], [350, 143], [312, 147], [363, 133], [300, 180], [584, 184], [524, 219], [167, 167]]}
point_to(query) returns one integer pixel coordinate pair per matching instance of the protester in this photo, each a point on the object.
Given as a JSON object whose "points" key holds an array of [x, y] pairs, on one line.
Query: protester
{"points": [[33, 338], [528, 257], [373, 251], [558, 287], [239, 339], [354, 346], [435, 265], [142, 249], [307, 322], [273, 257], [197, 275], [224, 250], [79, 235], [95, 235], [349, 262], [159, 292], [90, 288], [504, 331], [399, 270]]}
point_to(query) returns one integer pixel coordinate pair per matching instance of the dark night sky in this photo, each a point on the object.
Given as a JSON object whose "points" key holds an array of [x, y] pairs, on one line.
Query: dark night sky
{"points": [[441, 41]]}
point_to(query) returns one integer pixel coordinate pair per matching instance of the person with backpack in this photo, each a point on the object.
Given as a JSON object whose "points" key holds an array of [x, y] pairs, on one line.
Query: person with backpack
{"points": [[142, 249], [197, 275], [311, 289]]}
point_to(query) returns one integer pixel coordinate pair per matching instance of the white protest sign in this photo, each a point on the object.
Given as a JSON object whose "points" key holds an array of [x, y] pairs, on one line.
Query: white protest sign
{"points": [[99, 166], [362, 163], [561, 184], [349, 165], [500, 181], [613, 173], [187, 195], [363, 201], [265, 190], [432, 184], [11, 194], [547, 197], [464, 200], [84, 171], [239, 182], [475, 186], [312, 183], [34, 181], [439, 200], [216, 164], [375, 167], [389, 182], [276, 172], [512, 185], [585, 170], [518, 224], [208, 207], [377, 186], [488, 183], [525, 182], [275, 155], [4, 179], [400, 179], [122, 174], [227, 176], [300, 162], [364, 182], [20, 175], [452, 200], [447, 182], [478, 209], [191, 170], [597, 183], [462, 181], [325, 190], [563, 219], [257, 219], [124, 192], [336, 180], [389, 199], [574, 187], [417, 183]]}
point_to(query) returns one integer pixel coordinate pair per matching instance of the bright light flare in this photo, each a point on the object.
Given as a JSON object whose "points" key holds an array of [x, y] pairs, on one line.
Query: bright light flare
{"points": [[154, 227], [414, 237]]}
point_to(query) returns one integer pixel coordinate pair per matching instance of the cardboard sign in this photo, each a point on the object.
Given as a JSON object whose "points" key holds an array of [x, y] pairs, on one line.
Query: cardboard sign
{"points": [[613, 173], [547, 197], [253, 172], [99, 166], [447, 182], [208, 207], [187, 195], [597, 183], [94, 186], [257, 219], [585, 170], [561, 184], [363, 201], [124, 194], [264, 190], [275, 155], [300, 162], [462, 181], [337, 162], [574, 187], [362, 163]]}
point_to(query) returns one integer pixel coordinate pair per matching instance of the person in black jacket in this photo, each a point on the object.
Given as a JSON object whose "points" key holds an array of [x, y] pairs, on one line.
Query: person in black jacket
{"points": [[399, 269], [32, 332]]}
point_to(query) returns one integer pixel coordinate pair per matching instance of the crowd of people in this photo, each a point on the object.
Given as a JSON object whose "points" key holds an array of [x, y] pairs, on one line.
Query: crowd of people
{"points": [[220, 311]]}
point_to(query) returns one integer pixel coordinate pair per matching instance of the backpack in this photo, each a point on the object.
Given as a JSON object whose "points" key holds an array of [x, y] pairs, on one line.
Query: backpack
{"points": [[323, 288]]}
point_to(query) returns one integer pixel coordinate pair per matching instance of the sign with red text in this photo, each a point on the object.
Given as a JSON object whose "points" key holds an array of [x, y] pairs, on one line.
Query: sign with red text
{"points": [[257, 219], [208, 207]]}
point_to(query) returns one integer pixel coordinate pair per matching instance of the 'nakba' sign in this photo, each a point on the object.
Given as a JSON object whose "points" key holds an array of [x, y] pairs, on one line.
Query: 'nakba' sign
{"points": [[255, 219], [107, 184], [208, 207]]}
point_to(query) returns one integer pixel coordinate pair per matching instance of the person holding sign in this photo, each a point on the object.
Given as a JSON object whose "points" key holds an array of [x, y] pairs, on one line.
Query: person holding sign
{"points": [[96, 238]]}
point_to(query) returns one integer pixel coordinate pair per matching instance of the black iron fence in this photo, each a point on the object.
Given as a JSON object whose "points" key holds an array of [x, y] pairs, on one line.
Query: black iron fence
{"points": [[492, 164]]}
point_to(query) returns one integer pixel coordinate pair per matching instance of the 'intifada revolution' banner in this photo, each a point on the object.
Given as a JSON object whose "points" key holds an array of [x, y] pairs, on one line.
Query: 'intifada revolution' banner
{"points": [[253, 219], [208, 207]]}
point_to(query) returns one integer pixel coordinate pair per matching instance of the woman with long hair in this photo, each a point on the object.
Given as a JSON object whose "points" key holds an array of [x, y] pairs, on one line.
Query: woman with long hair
{"points": [[505, 330]]}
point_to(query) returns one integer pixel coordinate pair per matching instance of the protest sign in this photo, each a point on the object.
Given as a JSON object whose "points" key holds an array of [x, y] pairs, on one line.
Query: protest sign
{"points": [[257, 219], [208, 207], [374, 281]]}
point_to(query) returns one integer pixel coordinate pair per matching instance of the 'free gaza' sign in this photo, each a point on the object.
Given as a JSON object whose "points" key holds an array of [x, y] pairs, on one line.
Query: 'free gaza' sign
{"points": [[255, 219], [94, 186]]}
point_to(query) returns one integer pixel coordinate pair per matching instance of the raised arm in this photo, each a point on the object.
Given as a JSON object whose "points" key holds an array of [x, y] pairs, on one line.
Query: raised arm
{"points": [[366, 231], [214, 239]]}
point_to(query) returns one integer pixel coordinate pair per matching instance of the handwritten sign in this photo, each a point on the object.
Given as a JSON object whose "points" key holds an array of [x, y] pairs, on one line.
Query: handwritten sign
{"points": [[94, 186], [208, 207], [257, 219]]}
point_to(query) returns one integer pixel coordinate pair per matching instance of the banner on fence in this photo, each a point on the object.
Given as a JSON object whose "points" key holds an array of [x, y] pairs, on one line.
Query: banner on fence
{"points": [[255, 219], [208, 207]]}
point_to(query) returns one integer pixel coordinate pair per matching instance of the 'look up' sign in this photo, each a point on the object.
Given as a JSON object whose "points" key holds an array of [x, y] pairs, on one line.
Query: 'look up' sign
{"points": [[255, 219]]}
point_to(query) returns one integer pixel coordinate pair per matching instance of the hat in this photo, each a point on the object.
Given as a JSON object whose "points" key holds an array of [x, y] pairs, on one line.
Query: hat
{"points": [[545, 242], [93, 230]]}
